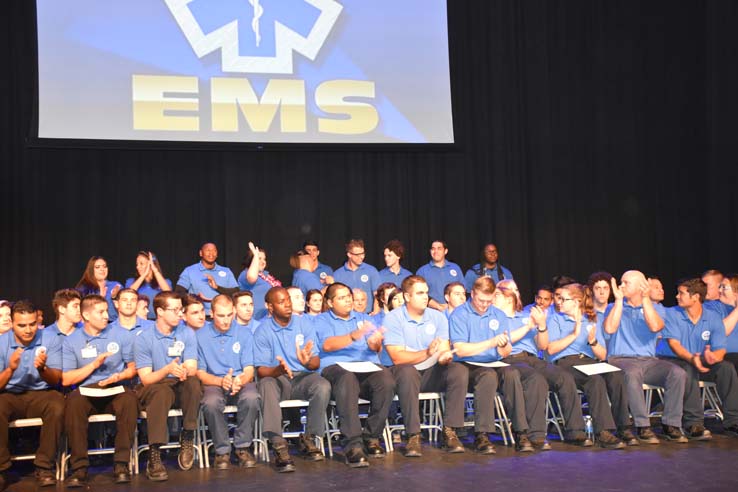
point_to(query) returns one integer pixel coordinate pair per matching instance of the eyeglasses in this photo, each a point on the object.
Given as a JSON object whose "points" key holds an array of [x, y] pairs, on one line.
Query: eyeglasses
{"points": [[175, 310], [726, 288], [361, 253]]}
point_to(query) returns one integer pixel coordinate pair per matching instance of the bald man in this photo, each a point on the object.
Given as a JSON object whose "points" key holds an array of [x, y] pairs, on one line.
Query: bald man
{"points": [[633, 322]]}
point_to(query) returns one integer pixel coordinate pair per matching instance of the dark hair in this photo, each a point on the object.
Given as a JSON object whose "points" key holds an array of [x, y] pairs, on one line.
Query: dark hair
{"points": [[241, 293], [391, 298], [189, 300], [249, 257], [22, 306], [560, 281], [599, 276], [90, 301], [545, 287], [87, 283], [143, 297], [384, 287], [62, 298], [295, 258], [154, 283], [694, 286], [353, 243], [451, 285], [483, 261], [330, 293], [311, 293], [396, 247], [310, 242]]}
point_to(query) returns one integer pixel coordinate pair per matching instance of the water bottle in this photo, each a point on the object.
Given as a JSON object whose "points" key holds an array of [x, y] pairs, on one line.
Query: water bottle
{"points": [[588, 426]]}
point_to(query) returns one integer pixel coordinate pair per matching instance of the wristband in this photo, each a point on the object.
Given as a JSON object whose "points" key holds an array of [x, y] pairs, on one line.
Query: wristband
{"points": [[544, 330], [593, 344]]}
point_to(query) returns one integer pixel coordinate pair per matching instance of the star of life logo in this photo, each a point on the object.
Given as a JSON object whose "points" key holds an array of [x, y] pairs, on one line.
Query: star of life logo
{"points": [[227, 36]]}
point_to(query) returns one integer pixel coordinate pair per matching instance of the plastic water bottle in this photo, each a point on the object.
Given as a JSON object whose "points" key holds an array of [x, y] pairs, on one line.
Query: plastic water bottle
{"points": [[588, 426]]}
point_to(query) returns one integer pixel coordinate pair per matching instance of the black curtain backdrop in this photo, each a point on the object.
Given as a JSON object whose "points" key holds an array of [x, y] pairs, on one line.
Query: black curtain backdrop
{"points": [[592, 134]]}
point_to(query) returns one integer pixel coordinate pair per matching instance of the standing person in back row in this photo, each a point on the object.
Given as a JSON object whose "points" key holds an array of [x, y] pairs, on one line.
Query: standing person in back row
{"points": [[194, 279], [438, 273], [357, 274], [488, 266]]}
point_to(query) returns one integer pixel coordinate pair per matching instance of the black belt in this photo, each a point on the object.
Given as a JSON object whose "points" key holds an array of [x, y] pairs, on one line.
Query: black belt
{"points": [[521, 355], [574, 357]]}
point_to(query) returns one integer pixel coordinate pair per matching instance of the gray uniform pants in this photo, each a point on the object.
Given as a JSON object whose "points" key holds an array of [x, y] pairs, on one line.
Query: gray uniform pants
{"points": [[214, 401]]}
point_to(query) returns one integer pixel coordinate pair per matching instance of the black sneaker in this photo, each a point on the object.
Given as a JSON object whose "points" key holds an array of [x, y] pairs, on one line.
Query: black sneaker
{"points": [[522, 443], [222, 461], [282, 459], [674, 434], [245, 458], [186, 456], [451, 441], [77, 479], [355, 457], [482, 444], [646, 434], [373, 448], [606, 439], [155, 469], [121, 473], [626, 435], [306, 445], [413, 448], [698, 433], [579, 438], [45, 477]]}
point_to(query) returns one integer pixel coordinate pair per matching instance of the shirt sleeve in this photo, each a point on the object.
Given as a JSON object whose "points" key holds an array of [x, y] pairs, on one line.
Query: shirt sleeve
{"points": [[394, 334], [263, 349], [142, 351], [247, 348], [69, 358], [184, 280], [190, 350]]}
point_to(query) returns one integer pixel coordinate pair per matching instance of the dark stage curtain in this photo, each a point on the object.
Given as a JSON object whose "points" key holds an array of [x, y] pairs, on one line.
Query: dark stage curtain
{"points": [[592, 134]]}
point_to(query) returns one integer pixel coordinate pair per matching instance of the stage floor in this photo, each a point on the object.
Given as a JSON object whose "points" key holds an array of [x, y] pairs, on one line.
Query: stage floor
{"points": [[698, 466]]}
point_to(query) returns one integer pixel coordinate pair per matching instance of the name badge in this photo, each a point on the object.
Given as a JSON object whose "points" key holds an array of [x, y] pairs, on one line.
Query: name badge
{"points": [[89, 352]]}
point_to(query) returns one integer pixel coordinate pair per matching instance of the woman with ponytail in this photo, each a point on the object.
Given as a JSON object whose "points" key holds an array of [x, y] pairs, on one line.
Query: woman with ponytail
{"points": [[576, 339]]}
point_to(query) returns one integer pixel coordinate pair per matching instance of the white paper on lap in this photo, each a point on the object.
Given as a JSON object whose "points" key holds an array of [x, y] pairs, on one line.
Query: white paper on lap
{"points": [[599, 368], [359, 366]]}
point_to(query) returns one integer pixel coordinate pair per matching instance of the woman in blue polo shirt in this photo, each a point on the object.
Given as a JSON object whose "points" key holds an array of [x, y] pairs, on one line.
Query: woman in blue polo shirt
{"points": [[95, 281], [149, 279], [256, 279], [727, 308], [575, 338]]}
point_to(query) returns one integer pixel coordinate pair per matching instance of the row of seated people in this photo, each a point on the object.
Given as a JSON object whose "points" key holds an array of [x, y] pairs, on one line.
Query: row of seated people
{"points": [[206, 278], [487, 344]]}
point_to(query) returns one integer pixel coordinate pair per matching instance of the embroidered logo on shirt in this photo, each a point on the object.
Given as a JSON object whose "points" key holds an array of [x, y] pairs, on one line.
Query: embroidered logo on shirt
{"points": [[179, 346], [494, 324], [706, 335], [113, 348], [237, 348], [430, 328], [299, 339], [221, 273], [323, 275], [365, 278], [590, 327], [453, 273]]}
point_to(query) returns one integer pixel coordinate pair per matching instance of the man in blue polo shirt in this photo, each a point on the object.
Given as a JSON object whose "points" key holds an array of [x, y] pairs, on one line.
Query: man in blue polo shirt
{"points": [[345, 335], [633, 322], [438, 273], [357, 274], [30, 369], [694, 339], [226, 369], [417, 342], [194, 278], [244, 305], [194, 312], [126, 303], [320, 270], [166, 360], [66, 307], [286, 361], [488, 266], [98, 355], [394, 252], [479, 333]]}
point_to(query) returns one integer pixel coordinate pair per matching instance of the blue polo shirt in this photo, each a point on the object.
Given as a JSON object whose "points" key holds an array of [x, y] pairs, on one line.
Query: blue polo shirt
{"points": [[109, 286], [387, 275], [467, 325], [305, 281], [708, 330], [329, 325], [194, 280], [217, 352], [141, 324], [719, 307], [54, 328], [271, 340], [561, 325], [152, 347], [633, 338], [150, 291], [80, 348], [472, 275], [414, 335], [253, 324], [322, 271], [365, 278], [258, 290], [528, 342], [439, 277], [26, 377]]}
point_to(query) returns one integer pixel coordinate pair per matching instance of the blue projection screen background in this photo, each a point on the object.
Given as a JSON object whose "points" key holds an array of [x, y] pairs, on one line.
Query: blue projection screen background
{"points": [[286, 71]]}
